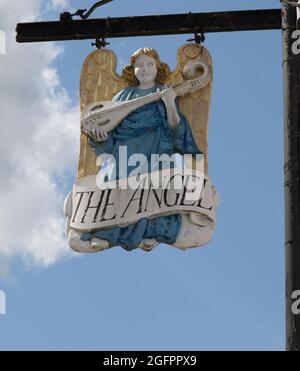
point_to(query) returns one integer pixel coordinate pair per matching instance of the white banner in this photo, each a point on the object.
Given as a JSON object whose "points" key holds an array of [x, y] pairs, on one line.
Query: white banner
{"points": [[94, 208]]}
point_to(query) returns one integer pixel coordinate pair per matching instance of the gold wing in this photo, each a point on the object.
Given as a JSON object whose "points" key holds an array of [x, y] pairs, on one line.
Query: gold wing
{"points": [[194, 106], [99, 81]]}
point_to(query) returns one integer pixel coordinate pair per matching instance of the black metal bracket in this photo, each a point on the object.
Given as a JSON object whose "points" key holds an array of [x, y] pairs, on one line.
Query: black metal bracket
{"points": [[82, 13], [100, 41], [199, 38], [198, 33]]}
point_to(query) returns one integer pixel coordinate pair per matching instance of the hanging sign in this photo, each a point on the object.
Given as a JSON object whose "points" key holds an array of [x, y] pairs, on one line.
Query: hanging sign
{"points": [[142, 173]]}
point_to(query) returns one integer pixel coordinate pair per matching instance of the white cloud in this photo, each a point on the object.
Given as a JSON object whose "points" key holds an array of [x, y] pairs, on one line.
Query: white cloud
{"points": [[38, 143], [58, 4]]}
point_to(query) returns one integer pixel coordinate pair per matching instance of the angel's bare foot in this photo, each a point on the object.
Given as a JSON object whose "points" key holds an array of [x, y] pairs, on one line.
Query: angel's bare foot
{"points": [[98, 244], [77, 244], [148, 244]]}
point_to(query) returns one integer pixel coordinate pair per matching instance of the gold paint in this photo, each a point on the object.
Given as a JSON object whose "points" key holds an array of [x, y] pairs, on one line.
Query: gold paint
{"points": [[98, 82], [195, 106]]}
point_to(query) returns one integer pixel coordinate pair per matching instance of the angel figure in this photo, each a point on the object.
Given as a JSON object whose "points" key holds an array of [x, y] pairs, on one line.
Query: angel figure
{"points": [[158, 127]]}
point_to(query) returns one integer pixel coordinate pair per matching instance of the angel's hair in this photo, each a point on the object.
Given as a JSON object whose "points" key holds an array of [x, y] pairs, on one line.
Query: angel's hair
{"points": [[163, 70]]}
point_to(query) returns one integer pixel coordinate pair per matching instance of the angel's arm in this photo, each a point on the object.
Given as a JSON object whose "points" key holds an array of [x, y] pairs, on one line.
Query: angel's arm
{"points": [[168, 97]]}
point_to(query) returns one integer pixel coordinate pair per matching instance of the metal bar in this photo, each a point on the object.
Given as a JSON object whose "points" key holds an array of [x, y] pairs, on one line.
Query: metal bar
{"points": [[169, 24], [291, 71]]}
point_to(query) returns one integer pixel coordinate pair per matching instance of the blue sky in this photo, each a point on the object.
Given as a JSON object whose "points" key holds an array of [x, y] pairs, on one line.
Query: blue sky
{"points": [[227, 295]]}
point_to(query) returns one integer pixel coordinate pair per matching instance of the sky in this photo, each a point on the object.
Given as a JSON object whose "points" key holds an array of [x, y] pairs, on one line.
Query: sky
{"points": [[227, 295]]}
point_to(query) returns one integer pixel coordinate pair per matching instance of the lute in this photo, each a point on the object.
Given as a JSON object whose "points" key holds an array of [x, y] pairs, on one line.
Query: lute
{"points": [[109, 114]]}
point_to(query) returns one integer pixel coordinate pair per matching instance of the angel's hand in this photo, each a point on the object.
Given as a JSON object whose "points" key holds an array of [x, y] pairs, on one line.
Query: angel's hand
{"points": [[99, 134], [168, 95]]}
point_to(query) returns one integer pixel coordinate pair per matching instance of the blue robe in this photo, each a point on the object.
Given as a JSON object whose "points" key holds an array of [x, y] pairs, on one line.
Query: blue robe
{"points": [[147, 131]]}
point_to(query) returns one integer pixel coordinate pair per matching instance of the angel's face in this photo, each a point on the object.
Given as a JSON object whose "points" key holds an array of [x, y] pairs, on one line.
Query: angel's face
{"points": [[145, 69]]}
